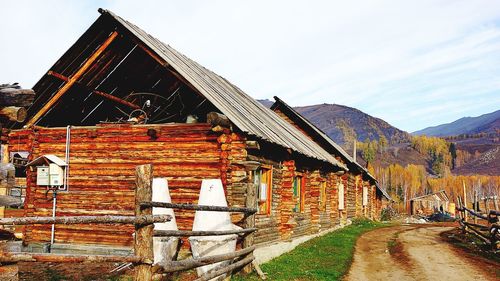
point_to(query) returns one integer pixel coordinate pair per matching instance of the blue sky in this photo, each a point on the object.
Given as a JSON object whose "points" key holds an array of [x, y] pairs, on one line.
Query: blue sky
{"points": [[412, 63]]}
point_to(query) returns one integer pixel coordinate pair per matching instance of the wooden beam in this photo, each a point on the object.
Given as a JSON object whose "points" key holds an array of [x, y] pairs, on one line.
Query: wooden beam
{"points": [[72, 80], [250, 202], [58, 75], [185, 233], [198, 207], [217, 119], [137, 220], [252, 145], [226, 269], [117, 99], [173, 266], [38, 257], [13, 113], [165, 64], [143, 242], [100, 93]]}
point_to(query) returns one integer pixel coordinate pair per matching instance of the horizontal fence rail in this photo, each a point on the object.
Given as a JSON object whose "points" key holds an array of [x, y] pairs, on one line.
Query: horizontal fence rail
{"points": [[137, 220], [473, 213], [225, 269], [39, 257], [199, 207], [489, 233], [174, 266], [185, 233]]}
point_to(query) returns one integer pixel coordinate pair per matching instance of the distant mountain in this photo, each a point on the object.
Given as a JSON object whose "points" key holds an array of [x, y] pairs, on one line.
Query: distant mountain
{"points": [[267, 103], [477, 153], [486, 123], [342, 123]]}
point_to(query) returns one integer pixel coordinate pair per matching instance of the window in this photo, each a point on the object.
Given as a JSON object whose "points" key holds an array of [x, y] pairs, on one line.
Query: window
{"points": [[19, 159], [298, 193], [322, 196], [341, 196], [365, 195], [263, 180]]}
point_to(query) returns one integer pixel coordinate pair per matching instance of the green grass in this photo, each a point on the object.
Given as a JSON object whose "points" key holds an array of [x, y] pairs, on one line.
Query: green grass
{"points": [[324, 258]]}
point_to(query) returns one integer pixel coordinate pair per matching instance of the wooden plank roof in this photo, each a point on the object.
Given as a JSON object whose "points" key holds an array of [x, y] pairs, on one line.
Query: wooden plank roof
{"points": [[246, 113], [309, 126], [324, 138], [439, 195]]}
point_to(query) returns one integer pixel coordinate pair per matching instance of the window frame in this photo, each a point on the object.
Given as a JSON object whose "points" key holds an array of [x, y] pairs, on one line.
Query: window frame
{"points": [[298, 186], [365, 196], [323, 195], [341, 195], [264, 175]]}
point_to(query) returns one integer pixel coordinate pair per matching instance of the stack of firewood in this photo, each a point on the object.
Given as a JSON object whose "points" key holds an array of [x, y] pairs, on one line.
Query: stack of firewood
{"points": [[13, 101]]}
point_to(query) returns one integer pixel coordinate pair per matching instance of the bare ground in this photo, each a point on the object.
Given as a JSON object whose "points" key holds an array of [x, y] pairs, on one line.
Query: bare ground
{"points": [[413, 252]]}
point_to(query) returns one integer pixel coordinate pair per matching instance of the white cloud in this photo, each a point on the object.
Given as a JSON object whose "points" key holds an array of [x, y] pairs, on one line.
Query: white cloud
{"points": [[399, 60]]}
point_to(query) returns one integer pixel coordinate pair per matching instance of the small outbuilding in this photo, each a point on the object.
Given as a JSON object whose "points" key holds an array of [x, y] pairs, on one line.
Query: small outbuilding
{"points": [[430, 203]]}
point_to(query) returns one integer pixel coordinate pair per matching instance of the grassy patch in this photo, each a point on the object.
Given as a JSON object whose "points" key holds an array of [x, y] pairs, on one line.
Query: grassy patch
{"points": [[391, 245], [323, 258]]}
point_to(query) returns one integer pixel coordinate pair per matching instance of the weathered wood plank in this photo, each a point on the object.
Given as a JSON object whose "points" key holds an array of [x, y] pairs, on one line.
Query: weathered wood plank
{"points": [[65, 258], [183, 233], [137, 220], [187, 264], [143, 246], [197, 207]]}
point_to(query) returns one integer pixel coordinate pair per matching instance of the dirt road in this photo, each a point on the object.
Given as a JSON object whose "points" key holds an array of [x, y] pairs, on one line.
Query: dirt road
{"points": [[410, 253]]}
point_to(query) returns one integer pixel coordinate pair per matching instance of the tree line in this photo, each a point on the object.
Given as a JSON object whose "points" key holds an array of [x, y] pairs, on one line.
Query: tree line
{"points": [[404, 183]]}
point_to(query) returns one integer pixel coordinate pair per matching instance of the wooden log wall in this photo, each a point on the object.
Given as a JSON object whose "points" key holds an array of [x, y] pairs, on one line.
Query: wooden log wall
{"points": [[314, 193], [102, 166], [359, 196], [369, 209], [102, 162], [333, 181], [375, 203], [343, 213], [303, 224], [325, 221], [234, 177], [286, 204], [350, 199], [269, 225], [381, 203]]}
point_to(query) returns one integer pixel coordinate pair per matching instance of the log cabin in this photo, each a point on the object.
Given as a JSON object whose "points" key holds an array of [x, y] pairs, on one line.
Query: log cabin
{"points": [[364, 197], [429, 204], [119, 98]]}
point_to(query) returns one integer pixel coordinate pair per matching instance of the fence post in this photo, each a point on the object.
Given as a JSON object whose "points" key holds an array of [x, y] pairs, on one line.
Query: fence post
{"points": [[476, 205], [250, 202], [143, 244]]}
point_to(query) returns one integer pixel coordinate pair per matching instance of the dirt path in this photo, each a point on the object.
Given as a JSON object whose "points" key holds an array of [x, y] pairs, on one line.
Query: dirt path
{"points": [[410, 253]]}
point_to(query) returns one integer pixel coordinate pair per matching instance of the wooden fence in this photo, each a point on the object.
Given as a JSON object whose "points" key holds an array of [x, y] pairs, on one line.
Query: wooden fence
{"points": [[487, 228], [143, 256]]}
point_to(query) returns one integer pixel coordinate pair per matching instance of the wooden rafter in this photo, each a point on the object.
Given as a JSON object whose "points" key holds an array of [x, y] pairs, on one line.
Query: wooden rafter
{"points": [[72, 79], [117, 99], [165, 64], [100, 93]]}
